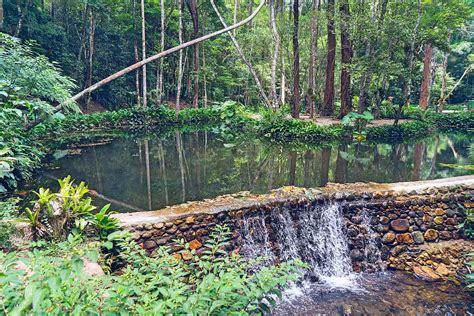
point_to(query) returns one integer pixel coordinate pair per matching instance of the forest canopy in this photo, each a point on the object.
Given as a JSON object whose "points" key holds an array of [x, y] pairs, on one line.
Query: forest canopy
{"points": [[335, 56]]}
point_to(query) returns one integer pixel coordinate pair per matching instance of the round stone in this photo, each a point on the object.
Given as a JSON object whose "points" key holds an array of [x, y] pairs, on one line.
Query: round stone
{"points": [[438, 220], [431, 235], [418, 237], [388, 238], [400, 225], [405, 238]]}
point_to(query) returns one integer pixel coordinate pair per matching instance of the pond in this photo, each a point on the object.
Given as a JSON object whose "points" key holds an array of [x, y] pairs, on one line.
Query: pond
{"points": [[151, 173]]}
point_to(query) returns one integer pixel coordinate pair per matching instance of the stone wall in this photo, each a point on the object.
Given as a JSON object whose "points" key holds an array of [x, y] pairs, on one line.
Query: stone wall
{"points": [[398, 219]]}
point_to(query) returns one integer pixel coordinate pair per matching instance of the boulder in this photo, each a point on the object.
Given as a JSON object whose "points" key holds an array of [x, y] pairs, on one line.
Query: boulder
{"points": [[425, 273], [400, 225], [431, 235]]}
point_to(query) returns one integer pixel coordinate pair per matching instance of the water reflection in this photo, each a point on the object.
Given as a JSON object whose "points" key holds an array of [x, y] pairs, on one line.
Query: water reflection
{"points": [[152, 173]]}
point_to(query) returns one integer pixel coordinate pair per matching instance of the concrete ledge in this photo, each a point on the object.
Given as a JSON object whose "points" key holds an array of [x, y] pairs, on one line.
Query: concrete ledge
{"points": [[246, 200]]}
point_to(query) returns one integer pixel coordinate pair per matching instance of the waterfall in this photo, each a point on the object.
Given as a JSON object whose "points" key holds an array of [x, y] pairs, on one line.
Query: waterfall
{"points": [[314, 234]]}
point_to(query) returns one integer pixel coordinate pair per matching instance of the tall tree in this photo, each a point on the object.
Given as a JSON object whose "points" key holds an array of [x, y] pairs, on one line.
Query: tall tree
{"points": [[310, 102], [180, 64], [159, 82], [346, 56], [144, 87], [91, 53], [328, 106], [192, 5], [295, 111], [425, 83], [274, 62]]}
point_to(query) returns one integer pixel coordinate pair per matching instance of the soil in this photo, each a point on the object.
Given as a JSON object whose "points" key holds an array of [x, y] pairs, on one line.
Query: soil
{"points": [[326, 121]]}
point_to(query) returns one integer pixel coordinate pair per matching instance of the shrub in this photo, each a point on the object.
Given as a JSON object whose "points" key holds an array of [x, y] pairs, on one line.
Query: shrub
{"points": [[53, 281], [55, 215]]}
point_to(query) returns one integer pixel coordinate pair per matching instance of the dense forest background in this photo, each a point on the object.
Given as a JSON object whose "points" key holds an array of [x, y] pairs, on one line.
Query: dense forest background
{"points": [[327, 57]]}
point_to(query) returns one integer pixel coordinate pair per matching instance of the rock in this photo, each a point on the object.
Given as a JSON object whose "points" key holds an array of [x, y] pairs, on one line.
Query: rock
{"points": [[425, 273], [149, 244], [392, 216], [438, 220], [158, 225], [92, 268], [445, 235], [400, 225], [431, 235], [356, 255], [405, 238], [147, 234], [190, 220], [398, 250], [388, 238], [427, 218], [418, 237], [384, 220], [451, 221], [439, 212], [161, 241], [442, 270], [195, 244]]}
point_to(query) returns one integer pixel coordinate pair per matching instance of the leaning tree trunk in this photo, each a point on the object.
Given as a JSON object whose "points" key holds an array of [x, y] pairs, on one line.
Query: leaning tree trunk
{"points": [[144, 87], [295, 110], [328, 106], [346, 56], [150, 59], [195, 18], [425, 83]]}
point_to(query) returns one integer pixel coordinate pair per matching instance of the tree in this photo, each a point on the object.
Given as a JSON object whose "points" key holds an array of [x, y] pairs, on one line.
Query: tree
{"points": [[295, 111], [346, 56], [144, 87], [425, 83], [312, 58], [192, 5], [328, 104], [180, 63]]}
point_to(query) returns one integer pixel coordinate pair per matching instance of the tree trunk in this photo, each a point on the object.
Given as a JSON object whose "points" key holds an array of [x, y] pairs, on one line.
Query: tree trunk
{"points": [[292, 165], [283, 80], [144, 87], [91, 53], [204, 78], [244, 59], [159, 87], [443, 83], [295, 111], [1, 14], [425, 83], [135, 52], [328, 106], [250, 10], [192, 4], [346, 56], [276, 47], [180, 64], [312, 58], [410, 57], [79, 75]]}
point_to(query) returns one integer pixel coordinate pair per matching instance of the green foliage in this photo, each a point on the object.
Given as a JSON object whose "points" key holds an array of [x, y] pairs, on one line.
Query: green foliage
{"points": [[8, 214], [454, 121], [467, 228], [55, 215], [217, 283], [29, 81], [358, 122], [409, 130]]}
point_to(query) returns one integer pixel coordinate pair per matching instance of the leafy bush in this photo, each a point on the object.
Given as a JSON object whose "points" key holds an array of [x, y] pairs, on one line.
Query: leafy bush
{"points": [[461, 121], [8, 214], [409, 130], [53, 281], [29, 81], [55, 215], [358, 122]]}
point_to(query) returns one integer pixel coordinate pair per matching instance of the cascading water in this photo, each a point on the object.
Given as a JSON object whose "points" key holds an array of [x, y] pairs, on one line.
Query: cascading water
{"points": [[314, 234]]}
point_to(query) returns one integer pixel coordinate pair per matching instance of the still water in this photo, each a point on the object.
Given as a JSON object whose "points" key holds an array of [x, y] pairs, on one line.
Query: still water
{"points": [[143, 174]]}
